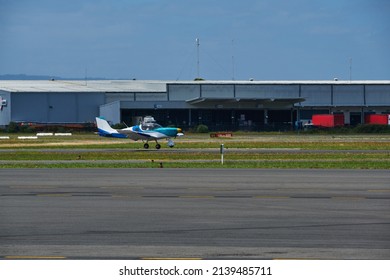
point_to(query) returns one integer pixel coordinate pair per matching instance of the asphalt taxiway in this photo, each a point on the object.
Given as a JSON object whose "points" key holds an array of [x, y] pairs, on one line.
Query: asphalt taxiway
{"points": [[194, 213]]}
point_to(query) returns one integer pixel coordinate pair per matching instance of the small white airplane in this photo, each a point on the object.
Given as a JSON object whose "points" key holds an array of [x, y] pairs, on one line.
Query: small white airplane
{"points": [[146, 131]]}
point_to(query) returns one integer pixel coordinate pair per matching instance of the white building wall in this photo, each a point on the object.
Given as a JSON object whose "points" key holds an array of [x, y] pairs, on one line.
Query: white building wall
{"points": [[111, 112], [5, 111]]}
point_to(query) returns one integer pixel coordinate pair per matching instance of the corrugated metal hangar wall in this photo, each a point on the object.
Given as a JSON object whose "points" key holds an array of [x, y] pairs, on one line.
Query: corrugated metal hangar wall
{"points": [[56, 107], [219, 104], [241, 106]]}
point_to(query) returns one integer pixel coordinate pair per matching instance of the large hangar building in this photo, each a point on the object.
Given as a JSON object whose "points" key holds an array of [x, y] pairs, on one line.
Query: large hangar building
{"points": [[222, 105]]}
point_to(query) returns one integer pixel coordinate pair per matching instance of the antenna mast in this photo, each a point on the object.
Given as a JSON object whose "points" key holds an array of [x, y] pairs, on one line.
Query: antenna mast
{"points": [[233, 60], [86, 76], [197, 50], [350, 69]]}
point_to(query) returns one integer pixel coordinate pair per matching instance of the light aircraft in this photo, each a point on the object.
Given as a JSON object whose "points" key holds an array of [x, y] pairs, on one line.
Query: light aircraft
{"points": [[148, 130]]}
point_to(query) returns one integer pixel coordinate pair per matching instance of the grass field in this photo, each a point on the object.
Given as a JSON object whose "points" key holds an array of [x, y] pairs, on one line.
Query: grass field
{"points": [[244, 150]]}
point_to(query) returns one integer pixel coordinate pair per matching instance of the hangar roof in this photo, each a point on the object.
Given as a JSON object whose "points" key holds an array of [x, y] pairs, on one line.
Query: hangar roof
{"points": [[143, 85], [82, 86]]}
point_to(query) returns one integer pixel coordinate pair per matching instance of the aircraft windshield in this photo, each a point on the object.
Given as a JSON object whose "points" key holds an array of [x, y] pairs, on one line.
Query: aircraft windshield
{"points": [[150, 126], [149, 123]]}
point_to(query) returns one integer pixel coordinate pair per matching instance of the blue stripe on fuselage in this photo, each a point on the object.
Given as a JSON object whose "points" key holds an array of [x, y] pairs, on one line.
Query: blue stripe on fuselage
{"points": [[107, 134]]}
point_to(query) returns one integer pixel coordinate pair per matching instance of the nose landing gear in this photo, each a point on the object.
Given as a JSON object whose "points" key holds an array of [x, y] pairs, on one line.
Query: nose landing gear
{"points": [[171, 143]]}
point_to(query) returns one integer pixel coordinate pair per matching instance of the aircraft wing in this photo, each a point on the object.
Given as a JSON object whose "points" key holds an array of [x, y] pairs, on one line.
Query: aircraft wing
{"points": [[134, 135], [142, 135]]}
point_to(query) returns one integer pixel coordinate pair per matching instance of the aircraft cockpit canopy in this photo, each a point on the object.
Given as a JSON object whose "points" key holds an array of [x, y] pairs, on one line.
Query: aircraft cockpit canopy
{"points": [[149, 123], [150, 126]]}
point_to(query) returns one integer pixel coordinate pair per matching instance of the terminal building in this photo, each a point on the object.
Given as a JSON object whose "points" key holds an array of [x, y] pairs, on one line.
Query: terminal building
{"points": [[221, 105]]}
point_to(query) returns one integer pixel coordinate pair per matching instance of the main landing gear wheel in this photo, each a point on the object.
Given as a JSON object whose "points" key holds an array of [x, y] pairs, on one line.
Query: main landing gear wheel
{"points": [[146, 146], [158, 146]]}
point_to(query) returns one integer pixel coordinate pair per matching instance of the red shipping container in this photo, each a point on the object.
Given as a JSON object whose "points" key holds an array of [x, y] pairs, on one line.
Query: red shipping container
{"points": [[377, 119], [328, 120]]}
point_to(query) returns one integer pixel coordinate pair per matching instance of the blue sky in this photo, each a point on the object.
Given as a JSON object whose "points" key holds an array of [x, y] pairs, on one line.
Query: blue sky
{"points": [[155, 39]]}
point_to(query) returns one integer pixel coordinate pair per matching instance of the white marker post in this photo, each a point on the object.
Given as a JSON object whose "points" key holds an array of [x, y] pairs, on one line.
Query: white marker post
{"points": [[222, 151]]}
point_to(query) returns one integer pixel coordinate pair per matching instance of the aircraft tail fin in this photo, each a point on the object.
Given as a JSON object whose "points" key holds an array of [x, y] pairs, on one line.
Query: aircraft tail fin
{"points": [[106, 130]]}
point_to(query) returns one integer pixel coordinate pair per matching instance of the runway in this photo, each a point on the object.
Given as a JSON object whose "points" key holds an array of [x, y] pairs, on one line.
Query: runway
{"points": [[194, 213]]}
